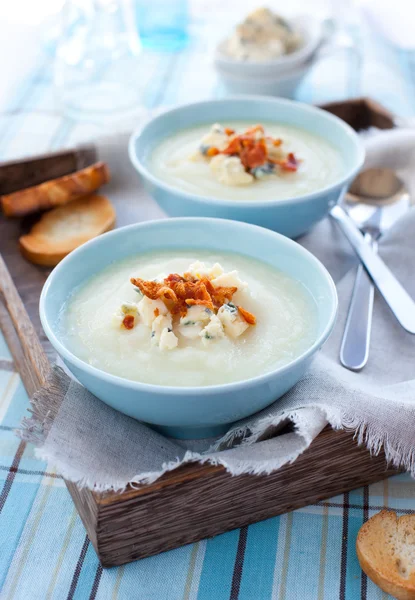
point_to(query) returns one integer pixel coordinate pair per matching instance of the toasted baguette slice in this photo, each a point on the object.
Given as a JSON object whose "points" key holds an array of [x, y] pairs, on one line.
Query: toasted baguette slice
{"points": [[56, 191], [65, 228], [386, 551]]}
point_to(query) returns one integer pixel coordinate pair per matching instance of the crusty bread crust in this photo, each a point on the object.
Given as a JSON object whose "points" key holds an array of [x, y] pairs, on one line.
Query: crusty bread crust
{"points": [[56, 191], [65, 228], [386, 549]]}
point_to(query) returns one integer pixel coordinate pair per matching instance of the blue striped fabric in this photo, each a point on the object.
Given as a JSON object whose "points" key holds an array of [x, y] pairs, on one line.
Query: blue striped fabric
{"points": [[44, 552], [306, 555]]}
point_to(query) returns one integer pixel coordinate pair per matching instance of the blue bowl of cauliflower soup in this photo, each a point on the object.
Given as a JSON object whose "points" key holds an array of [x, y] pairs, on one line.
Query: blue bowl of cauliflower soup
{"points": [[188, 324], [191, 166]]}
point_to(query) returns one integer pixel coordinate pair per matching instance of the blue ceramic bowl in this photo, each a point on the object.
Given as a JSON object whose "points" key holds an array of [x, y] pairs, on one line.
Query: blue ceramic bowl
{"points": [[291, 217], [188, 412]]}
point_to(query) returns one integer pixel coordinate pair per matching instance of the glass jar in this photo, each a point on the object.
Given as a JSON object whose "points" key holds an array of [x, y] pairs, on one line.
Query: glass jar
{"points": [[97, 67]]}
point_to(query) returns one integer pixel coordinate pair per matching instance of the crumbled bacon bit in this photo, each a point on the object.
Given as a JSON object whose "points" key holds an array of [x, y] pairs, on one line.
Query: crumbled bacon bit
{"points": [[254, 155], [154, 290], [147, 288], [290, 163], [222, 295], [234, 146], [212, 151], [173, 277], [201, 295], [156, 312], [252, 152], [128, 321], [249, 317], [188, 277], [229, 131]]}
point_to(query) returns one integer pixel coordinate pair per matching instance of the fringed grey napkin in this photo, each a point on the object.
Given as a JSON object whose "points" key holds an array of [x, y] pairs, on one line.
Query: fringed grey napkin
{"points": [[95, 446]]}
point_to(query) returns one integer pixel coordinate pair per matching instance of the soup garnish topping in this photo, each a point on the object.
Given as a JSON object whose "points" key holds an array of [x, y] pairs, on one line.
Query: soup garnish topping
{"points": [[241, 158], [195, 304]]}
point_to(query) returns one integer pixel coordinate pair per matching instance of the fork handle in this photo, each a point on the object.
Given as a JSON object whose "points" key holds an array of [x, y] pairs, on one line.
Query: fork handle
{"points": [[354, 350]]}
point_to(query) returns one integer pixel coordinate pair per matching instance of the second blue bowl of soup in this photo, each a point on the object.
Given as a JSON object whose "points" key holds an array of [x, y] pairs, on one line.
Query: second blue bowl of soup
{"points": [[290, 216]]}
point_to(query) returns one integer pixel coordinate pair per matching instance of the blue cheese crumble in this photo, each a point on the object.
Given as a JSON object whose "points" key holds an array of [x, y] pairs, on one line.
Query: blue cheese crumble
{"points": [[232, 322]]}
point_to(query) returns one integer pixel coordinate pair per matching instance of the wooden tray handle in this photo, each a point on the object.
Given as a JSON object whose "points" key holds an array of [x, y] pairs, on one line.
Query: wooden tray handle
{"points": [[28, 355]]}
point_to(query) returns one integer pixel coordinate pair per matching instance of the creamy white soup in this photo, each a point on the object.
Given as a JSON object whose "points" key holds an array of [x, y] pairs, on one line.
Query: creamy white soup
{"points": [[192, 319], [239, 161]]}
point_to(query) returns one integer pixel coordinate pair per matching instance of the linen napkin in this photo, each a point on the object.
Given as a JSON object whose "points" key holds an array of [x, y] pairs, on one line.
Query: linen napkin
{"points": [[97, 447]]}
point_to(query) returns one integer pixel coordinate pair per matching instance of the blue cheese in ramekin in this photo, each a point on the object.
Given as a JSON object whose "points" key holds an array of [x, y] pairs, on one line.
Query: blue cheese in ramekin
{"points": [[262, 36]]}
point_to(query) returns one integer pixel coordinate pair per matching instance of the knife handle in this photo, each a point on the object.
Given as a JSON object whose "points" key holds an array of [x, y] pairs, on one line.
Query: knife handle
{"points": [[397, 298], [354, 350]]}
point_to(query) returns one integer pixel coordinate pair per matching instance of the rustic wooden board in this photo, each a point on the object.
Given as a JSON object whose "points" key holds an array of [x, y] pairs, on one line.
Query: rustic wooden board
{"points": [[362, 113], [195, 501]]}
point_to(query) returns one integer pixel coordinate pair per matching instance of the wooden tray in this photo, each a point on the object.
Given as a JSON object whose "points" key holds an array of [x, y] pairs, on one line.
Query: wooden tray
{"points": [[195, 501]]}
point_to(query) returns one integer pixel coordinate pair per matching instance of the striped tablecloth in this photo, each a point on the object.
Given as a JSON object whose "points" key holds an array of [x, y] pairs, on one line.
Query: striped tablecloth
{"points": [[305, 555]]}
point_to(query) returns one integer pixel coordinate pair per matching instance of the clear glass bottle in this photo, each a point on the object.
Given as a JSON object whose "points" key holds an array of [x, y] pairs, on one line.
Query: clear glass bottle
{"points": [[97, 67]]}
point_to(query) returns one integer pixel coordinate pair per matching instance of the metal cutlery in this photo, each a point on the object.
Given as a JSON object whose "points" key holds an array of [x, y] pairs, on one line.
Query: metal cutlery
{"points": [[354, 350], [370, 189], [397, 298]]}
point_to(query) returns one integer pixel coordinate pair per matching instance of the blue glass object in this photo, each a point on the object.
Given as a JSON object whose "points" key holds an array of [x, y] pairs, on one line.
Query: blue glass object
{"points": [[162, 24]]}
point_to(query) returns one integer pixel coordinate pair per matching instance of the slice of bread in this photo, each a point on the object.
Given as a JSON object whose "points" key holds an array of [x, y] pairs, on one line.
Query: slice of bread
{"points": [[63, 229], [386, 550], [55, 192]]}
